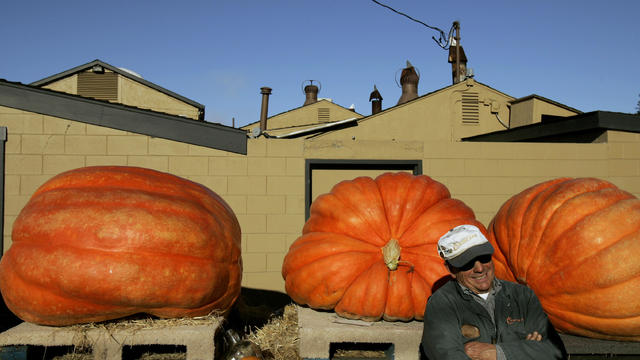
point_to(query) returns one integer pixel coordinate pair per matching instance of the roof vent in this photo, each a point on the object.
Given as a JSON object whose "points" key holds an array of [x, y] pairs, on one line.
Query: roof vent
{"points": [[409, 81], [311, 93], [97, 69], [376, 101]]}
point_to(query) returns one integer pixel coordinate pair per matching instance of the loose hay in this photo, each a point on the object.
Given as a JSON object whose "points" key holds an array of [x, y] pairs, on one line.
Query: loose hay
{"points": [[83, 345], [278, 339]]}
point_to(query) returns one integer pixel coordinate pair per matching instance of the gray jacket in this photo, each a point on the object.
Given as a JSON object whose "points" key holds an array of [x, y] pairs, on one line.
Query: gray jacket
{"points": [[517, 313]]}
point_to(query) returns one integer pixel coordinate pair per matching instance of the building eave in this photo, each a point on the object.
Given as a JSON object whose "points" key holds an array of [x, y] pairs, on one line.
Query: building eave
{"points": [[122, 117], [591, 122]]}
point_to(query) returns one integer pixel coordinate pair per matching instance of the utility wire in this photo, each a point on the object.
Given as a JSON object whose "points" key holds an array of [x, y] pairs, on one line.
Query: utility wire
{"points": [[443, 41]]}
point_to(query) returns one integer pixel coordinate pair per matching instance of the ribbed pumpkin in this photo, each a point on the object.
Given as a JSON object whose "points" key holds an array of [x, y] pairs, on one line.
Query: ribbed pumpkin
{"points": [[576, 243], [368, 249], [100, 243]]}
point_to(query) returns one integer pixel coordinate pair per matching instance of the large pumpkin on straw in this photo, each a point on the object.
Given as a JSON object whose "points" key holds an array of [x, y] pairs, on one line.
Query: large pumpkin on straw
{"points": [[576, 243], [368, 249], [101, 243]]}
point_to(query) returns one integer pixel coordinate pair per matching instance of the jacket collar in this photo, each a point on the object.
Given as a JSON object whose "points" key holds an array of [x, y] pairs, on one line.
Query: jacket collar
{"points": [[468, 294]]}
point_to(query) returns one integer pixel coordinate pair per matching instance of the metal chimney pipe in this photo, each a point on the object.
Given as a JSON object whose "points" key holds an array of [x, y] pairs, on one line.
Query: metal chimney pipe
{"points": [[311, 93], [409, 81], [376, 101], [265, 91]]}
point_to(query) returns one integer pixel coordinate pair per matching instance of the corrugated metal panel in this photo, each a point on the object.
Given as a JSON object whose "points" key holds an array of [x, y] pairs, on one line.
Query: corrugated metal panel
{"points": [[98, 86], [470, 108]]}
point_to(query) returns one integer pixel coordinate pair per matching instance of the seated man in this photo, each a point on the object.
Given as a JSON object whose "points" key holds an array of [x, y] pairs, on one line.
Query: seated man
{"points": [[480, 317]]}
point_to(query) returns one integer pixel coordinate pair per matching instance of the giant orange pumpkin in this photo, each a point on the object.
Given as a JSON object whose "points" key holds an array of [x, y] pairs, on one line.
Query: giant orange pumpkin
{"points": [[368, 249], [101, 243], [576, 243]]}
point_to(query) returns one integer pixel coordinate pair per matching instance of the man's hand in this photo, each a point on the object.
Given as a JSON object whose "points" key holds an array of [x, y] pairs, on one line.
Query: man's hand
{"points": [[480, 351], [534, 336]]}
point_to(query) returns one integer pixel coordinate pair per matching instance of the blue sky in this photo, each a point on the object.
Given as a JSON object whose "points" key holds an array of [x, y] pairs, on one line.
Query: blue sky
{"points": [[583, 54]]}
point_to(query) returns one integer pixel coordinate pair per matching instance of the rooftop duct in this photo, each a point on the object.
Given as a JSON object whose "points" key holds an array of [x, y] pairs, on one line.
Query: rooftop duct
{"points": [[409, 81]]}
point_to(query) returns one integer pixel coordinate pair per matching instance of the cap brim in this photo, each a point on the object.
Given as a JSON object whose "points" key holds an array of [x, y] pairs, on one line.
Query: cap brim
{"points": [[470, 254]]}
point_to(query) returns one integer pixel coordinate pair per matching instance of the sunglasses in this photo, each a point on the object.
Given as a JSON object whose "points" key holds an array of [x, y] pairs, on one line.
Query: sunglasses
{"points": [[484, 259]]}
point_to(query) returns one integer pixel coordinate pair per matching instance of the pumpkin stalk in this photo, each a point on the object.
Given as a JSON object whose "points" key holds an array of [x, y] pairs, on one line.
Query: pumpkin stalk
{"points": [[391, 254]]}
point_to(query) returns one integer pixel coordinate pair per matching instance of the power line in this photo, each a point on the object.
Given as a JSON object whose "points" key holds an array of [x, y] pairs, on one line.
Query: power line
{"points": [[443, 41]]}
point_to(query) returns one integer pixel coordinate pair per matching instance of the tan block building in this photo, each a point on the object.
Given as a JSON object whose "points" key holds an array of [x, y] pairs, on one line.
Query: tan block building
{"points": [[484, 145]]}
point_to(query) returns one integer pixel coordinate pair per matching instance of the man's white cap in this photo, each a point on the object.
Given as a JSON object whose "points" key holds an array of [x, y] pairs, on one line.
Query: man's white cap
{"points": [[462, 244]]}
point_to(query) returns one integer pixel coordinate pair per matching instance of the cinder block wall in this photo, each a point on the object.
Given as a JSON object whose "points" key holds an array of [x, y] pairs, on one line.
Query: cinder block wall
{"points": [[266, 187]]}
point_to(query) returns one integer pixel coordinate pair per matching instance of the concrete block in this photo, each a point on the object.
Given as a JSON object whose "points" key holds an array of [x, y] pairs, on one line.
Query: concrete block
{"points": [[247, 185], [127, 145], [159, 146], [120, 160], [38, 144], [265, 204], [55, 164], [228, 166], [285, 185], [285, 223], [266, 166], [86, 145], [257, 147], [23, 165], [317, 330], [107, 343], [188, 165]]}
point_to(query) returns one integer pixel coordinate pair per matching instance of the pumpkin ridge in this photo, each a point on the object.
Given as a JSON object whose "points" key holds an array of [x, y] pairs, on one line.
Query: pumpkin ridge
{"points": [[122, 177], [339, 306], [141, 200], [595, 253], [538, 203], [331, 255], [155, 245], [73, 291], [577, 320], [63, 319], [365, 219], [345, 287], [192, 209], [549, 241], [620, 281], [101, 234], [522, 206], [318, 212], [393, 230]]}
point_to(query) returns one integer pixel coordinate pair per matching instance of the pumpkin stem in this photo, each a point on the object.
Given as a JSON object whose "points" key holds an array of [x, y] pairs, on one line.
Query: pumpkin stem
{"points": [[391, 254]]}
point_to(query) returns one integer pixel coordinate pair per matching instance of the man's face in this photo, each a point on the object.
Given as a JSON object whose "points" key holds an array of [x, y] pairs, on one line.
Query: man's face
{"points": [[477, 275]]}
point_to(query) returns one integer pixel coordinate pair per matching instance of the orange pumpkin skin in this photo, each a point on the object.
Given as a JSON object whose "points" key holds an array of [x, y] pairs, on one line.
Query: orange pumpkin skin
{"points": [[576, 243], [100, 243], [338, 261]]}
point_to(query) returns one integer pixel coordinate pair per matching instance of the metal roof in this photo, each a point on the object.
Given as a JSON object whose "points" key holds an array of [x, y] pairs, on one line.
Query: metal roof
{"points": [[122, 117], [581, 128]]}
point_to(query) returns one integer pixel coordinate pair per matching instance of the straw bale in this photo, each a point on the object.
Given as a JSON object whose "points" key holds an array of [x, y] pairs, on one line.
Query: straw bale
{"points": [[278, 339]]}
